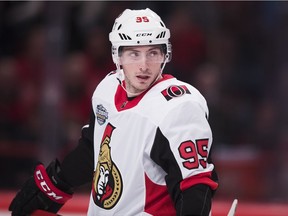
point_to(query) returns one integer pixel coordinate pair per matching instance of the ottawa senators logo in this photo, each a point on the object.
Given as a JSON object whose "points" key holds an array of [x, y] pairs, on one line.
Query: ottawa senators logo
{"points": [[107, 182], [175, 91]]}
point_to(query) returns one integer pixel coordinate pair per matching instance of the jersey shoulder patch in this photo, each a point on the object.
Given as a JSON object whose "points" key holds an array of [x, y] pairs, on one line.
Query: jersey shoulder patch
{"points": [[174, 91]]}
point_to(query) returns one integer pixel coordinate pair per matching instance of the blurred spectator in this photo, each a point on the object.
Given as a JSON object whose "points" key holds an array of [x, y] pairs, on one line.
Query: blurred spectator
{"points": [[15, 153], [30, 63], [98, 60], [188, 41], [83, 71], [76, 100], [266, 125], [11, 117], [207, 79], [15, 19], [22, 83]]}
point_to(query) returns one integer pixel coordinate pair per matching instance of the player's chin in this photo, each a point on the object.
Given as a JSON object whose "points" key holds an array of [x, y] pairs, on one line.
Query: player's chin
{"points": [[143, 86]]}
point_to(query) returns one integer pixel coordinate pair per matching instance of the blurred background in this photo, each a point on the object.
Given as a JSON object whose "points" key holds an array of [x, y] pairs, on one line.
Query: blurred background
{"points": [[53, 54]]}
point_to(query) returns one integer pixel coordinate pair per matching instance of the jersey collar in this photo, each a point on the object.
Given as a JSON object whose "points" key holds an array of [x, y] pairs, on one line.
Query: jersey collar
{"points": [[122, 102]]}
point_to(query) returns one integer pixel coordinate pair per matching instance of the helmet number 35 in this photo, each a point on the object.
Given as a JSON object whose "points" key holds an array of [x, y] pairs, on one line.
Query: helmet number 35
{"points": [[142, 19], [189, 151]]}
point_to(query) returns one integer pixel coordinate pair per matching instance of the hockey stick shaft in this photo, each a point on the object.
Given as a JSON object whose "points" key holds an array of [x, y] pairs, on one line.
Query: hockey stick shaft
{"points": [[233, 208]]}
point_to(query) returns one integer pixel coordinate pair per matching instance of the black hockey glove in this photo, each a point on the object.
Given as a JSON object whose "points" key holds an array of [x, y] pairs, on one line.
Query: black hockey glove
{"points": [[44, 190]]}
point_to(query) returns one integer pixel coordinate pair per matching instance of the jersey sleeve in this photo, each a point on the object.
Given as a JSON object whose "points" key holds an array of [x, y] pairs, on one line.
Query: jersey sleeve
{"points": [[77, 167], [182, 148]]}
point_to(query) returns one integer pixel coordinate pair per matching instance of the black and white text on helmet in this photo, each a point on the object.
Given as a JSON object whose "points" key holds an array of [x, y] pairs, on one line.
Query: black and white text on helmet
{"points": [[138, 27]]}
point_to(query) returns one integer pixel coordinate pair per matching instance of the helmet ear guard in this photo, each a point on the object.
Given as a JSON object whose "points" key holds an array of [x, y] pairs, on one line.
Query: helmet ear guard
{"points": [[139, 28], [168, 52]]}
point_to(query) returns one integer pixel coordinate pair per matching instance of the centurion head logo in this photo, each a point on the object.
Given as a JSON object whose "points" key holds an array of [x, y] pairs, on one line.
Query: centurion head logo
{"points": [[107, 182]]}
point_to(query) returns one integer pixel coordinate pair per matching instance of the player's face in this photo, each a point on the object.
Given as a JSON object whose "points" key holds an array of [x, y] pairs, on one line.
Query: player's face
{"points": [[141, 66], [103, 179]]}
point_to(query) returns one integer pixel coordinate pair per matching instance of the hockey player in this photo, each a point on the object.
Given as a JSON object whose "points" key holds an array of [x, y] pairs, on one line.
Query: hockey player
{"points": [[147, 147]]}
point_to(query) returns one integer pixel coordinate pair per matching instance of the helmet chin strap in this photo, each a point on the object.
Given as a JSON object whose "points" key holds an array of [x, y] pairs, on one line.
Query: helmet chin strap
{"points": [[121, 73], [164, 63]]}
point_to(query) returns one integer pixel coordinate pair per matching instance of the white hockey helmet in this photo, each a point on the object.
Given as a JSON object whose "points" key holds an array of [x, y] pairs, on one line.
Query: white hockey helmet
{"points": [[138, 28]]}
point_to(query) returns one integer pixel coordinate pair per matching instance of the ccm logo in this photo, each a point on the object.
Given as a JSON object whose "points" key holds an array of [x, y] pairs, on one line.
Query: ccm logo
{"points": [[44, 186], [143, 34]]}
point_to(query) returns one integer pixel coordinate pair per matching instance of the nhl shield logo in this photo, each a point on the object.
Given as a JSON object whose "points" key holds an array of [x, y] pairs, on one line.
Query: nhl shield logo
{"points": [[101, 114]]}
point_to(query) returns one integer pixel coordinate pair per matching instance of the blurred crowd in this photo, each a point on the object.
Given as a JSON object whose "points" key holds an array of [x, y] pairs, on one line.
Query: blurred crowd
{"points": [[53, 55]]}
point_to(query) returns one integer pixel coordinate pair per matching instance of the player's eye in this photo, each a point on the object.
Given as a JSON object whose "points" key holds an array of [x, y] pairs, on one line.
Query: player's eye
{"points": [[153, 53], [133, 54]]}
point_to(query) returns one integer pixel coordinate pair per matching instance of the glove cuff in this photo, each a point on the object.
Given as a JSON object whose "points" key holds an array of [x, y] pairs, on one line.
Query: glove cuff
{"points": [[53, 171], [45, 184]]}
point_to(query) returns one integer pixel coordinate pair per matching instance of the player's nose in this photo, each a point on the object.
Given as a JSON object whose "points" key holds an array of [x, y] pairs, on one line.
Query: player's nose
{"points": [[143, 64]]}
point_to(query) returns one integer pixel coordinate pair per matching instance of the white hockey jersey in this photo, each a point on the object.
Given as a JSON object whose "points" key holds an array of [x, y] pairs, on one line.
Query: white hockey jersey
{"points": [[148, 149]]}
